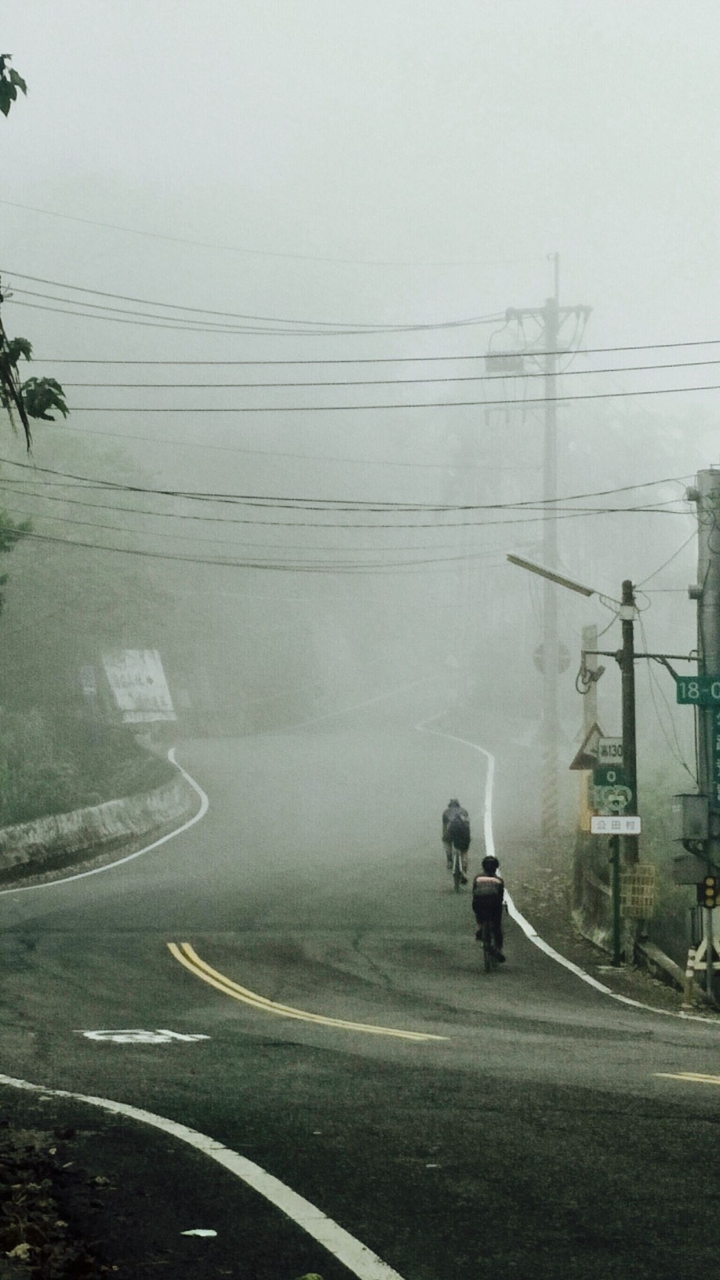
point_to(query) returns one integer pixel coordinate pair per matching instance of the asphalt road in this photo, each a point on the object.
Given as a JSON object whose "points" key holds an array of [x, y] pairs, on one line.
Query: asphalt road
{"points": [[534, 1136]]}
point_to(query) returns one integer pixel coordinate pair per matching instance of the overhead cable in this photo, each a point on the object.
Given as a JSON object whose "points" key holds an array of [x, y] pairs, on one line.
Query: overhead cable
{"points": [[423, 404], [586, 351]]}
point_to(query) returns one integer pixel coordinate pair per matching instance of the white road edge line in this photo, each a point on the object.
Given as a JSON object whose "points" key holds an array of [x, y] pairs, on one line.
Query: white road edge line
{"points": [[363, 1263], [528, 929], [96, 871]]}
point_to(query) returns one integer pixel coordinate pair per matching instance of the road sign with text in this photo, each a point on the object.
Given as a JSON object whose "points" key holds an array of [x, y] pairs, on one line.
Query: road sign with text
{"points": [[616, 825], [610, 751], [699, 691]]}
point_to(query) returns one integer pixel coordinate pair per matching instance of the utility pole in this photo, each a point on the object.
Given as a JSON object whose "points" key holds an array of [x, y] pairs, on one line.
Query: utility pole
{"points": [[706, 495], [551, 318], [626, 658]]}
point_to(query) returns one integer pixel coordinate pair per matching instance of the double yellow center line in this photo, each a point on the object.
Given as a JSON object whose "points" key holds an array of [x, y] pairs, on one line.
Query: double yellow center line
{"points": [[188, 957], [691, 1077]]}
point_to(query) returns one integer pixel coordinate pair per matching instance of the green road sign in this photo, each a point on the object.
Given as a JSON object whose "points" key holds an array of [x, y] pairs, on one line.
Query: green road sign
{"points": [[609, 775], [698, 691]]}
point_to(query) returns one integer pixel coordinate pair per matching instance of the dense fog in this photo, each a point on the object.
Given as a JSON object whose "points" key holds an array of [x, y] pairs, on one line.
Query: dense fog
{"points": [[266, 250]]}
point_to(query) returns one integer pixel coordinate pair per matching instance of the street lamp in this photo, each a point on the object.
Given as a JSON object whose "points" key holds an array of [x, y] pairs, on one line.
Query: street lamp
{"points": [[626, 660]]}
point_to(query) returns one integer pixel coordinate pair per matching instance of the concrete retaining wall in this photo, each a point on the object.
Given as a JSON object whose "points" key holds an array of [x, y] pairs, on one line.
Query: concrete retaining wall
{"points": [[29, 847]]}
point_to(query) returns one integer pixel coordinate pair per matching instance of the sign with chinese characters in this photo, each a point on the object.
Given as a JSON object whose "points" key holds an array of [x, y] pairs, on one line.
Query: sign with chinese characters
{"points": [[138, 683], [638, 890], [616, 825], [610, 751]]}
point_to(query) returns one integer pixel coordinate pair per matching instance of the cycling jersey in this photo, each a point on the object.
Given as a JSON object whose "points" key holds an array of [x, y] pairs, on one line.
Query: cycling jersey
{"points": [[488, 890]]}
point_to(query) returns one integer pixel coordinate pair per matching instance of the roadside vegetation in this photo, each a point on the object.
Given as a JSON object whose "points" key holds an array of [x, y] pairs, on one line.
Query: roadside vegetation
{"points": [[54, 763]]}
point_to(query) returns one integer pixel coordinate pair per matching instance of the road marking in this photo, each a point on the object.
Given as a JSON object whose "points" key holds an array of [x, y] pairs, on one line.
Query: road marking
{"points": [[360, 1260], [692, 1077], [136, 1035], [110, 866], [189, 958]]}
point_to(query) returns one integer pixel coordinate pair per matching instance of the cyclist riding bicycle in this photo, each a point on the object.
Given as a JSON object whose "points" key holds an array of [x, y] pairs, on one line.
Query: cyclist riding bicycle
{"points": [[488, 891], [456, 834], [453, 807]]}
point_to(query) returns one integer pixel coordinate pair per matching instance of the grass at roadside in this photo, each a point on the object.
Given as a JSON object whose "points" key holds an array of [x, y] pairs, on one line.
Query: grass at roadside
{"points": [[53, 764]]}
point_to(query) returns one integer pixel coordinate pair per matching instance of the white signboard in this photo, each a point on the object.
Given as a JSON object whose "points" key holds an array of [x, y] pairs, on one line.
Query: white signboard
{"points": [[616, 825], [610, 751], [138, 682]]}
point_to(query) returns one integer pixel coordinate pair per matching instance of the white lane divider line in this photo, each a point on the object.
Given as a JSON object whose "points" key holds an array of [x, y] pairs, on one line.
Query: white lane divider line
{"points": [[360, 1260], [110, 866], [516, 915]]}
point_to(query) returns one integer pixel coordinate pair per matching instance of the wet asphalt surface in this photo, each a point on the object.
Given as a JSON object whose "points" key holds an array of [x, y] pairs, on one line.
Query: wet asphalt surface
{"points": [[535, 1137]]}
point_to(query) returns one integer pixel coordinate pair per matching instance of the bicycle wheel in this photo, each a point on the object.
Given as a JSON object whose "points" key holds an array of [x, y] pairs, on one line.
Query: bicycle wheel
{"points": [[488, 950], [457, 870]]}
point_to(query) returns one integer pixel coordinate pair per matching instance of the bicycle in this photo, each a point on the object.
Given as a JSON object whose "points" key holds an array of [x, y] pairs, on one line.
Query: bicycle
{"points": [[488, 945], [458, 874]]}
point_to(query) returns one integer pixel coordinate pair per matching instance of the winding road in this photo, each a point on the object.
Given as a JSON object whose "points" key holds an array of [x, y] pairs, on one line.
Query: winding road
{"points": [[318, 1010]]}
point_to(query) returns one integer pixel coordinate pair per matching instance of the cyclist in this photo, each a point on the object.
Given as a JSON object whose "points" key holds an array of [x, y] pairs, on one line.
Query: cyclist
{"points": [[487, 901], [456, 834], [453, 807]]}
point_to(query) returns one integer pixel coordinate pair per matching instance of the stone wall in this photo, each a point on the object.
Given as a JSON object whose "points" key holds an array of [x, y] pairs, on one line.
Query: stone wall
{"points": [[62, 839]]}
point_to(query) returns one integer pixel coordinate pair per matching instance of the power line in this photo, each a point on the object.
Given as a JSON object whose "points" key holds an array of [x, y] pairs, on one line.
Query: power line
{"points": [[393, 382], [228, 248], [296, 524], [587, 351], [122, 486], [278, 453], [665, 563], [201, 327], [234, 315], [289, 567], [424, 404]]}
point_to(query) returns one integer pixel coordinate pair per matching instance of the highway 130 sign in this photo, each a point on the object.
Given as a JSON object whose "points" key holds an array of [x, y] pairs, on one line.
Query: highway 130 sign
{"points": [[610, 751]]}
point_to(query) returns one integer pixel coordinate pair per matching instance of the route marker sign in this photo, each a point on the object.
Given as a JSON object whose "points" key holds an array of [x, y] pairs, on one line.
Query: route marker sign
{"points": [[610, 751], [616, 825], [609, 775], [699, 691]]}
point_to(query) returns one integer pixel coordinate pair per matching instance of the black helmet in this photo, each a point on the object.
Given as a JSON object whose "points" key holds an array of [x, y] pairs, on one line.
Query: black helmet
{"points": [[453, 804], [490, 864]]}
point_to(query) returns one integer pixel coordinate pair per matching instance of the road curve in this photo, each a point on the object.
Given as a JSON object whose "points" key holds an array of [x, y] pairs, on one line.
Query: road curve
{"points": [[544, 1127]]}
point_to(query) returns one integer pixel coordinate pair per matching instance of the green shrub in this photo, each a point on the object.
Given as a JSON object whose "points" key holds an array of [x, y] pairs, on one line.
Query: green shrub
{"points": [[54, 764]]}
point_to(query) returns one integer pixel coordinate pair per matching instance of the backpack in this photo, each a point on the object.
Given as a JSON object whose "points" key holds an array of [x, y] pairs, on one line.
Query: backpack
{"points": [[458, 830]]}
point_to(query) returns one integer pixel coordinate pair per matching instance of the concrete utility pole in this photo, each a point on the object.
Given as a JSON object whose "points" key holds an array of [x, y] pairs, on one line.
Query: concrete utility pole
{"points": [[626, 658], [551, 318], [706, 495]]}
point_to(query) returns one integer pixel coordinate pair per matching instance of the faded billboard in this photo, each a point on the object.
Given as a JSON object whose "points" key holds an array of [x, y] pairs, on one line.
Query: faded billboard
{"points": [[138, 684]]}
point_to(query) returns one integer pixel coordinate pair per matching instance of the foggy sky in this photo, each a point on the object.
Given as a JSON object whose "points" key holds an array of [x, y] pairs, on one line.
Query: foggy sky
{"points": [[367, 162], [484, 134]]}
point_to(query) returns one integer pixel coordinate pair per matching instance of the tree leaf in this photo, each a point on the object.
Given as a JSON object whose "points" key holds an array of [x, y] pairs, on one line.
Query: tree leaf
{"points": [[7, 95], [39, 395]]}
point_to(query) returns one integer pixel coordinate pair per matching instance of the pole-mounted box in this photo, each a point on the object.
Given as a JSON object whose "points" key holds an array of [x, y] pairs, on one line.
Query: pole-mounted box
{"points": [[690, 815]]}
